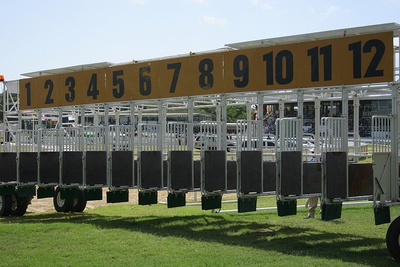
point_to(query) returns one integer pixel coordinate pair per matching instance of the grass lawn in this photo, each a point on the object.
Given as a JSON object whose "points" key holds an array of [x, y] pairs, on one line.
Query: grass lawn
{"points": [[132, 235]]}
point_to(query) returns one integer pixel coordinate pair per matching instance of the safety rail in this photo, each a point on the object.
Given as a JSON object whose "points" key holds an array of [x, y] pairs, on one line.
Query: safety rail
{"points": [[26, 141], [247, 135], [149, 137], [208, 138], [121, 137], [289, 132], [381, 134], [334, 134], [95, 138], [176, 137]]}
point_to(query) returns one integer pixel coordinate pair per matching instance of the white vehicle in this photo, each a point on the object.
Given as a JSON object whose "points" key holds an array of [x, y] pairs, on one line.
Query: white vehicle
{"points": [[210, 142]]}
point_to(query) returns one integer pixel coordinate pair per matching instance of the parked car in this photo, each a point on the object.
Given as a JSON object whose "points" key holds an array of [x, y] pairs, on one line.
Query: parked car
{"points": [[210, 142]]}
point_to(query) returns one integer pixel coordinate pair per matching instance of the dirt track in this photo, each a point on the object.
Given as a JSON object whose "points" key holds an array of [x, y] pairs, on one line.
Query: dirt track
{"points": [[46, 204]]}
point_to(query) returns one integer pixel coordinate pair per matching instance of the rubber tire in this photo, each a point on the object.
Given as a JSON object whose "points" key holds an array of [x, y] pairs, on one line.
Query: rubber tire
{"points": [[61, 205], [5, 205], [21, 205], [79, 204], [393, 239]]}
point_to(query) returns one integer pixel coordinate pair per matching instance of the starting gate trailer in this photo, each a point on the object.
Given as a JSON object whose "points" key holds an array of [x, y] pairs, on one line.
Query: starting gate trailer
{"points": [[72, 131]]}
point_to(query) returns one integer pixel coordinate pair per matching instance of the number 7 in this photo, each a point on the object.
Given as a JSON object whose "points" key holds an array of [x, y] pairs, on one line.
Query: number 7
{"points": [[177, 68]]}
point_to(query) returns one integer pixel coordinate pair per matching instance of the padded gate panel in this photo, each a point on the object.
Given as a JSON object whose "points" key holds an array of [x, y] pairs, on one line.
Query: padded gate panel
{"points": [[269, 174], [250, 172], [181, 169], [231, 167], [49, 167], [28, 167], [360, 179], [151, 170], [8, 167], [336, 175], [291, 164], [214, 170], [122, 168], [72, 167], [312, 175], [96, 167]]}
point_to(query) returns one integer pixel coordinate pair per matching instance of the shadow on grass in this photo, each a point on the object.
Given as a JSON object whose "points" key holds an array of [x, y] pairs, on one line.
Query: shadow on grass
{"points": [[240, 230]]}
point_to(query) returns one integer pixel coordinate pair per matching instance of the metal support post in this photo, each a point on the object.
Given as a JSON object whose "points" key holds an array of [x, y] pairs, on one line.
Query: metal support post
{"points": [[356, 115], [394, 176]]}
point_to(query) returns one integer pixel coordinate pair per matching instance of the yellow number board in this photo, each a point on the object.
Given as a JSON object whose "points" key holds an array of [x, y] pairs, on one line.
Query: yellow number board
{"points": [[331, 62]]}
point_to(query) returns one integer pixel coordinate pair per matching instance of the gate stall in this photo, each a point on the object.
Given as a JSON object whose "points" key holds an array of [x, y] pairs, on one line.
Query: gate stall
{"points": [[384, 167], [335, 166], [180, 178], [213, 165], [150, 163], [289, 164], [249, 156]]}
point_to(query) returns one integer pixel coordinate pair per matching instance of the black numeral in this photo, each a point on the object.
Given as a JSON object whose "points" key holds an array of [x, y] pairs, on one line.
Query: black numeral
{"points": [[358, 50], [49, 85], [283, 67], [144, 81], [241, 71], [177, 68], [314, 53], [206, 79], [119, 90], [70, 83], [92, 89]]}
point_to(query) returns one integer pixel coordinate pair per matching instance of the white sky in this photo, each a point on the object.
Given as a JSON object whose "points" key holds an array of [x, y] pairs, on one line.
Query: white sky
{"points": [[47, 34]]}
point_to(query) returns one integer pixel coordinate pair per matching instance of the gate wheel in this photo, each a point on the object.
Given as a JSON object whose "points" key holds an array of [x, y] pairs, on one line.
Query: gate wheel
{"points": [[393, 239], [61, 204], [19, 205], [79, 204], [5, 205]]}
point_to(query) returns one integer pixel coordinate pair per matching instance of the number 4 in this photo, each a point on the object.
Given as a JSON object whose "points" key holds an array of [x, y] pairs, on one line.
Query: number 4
{"points": [[92, 89]]}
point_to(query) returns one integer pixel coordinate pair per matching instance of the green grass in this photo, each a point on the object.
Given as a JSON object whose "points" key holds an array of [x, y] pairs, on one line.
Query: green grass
{"points": [[131, 235]]}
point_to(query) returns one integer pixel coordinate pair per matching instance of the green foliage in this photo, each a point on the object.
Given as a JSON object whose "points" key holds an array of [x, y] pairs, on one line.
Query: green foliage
{"points": [[235, 113]]}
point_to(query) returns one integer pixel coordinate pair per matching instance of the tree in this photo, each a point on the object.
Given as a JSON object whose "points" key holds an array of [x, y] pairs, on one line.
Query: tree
{"points": [[235, 113]]}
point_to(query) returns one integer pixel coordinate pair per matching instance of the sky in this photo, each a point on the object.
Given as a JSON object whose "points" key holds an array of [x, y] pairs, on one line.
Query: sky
{"points": [[49, 34]]}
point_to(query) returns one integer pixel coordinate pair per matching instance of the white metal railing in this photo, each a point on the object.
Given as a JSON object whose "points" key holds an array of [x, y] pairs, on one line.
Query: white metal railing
{"points": [[94, 138], [334, 134], [71, 138], [121, 137], [289, 134], [247, 135], [49, 140], [26, 141], [208, 137], [381, 134], [149, 137], [176, 137]]}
